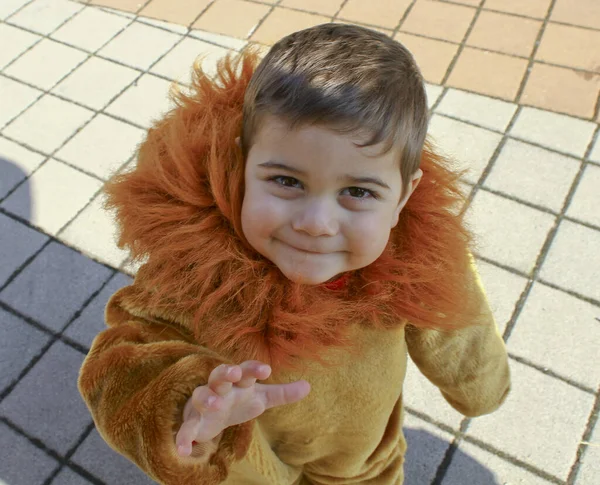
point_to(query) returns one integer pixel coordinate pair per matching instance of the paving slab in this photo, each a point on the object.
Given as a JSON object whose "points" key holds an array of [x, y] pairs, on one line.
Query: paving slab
{"points": [[585, 205], [46, 402], [590, 462], [44, 16], [14, 42], [54, 285], [16, 98], [69, 477], [17, 164]]}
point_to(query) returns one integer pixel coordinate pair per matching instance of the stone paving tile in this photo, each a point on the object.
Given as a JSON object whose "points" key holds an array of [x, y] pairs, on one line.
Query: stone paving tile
{"points": [[570, 46], [533, 174], [236, 18], [43, 16], [19, 242], [48, 123], [16, 97], [378, 12], [10, 7], [427, 445], [19, 343], [178, 63], [182, 12], [421, 395], [549, 332], [508, 232], [474, 465], [590, 463], [69, 477], [139, 45], [595, 154], [556, 131], [530, 8], [38, 403], [143, 102], [22, 463], [432, 56], [218, 39], [503, 290], [471, 147], [538, 407], [54, 285], [171, 27], [100, 460], [573, 261], [433, 93], [487, 112], [41, 200], [586, 14], [120, 5], [91, 321], [46, 63], [14, 41], [90, 29], [585, 205], [439, 20], [16, 163], [95, 231], [282, 22], [323, 7], [102, 146], [96, 82]]}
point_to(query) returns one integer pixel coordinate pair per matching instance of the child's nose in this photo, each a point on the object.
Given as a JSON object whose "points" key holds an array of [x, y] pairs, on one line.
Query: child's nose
{"points": [[316, 218]]}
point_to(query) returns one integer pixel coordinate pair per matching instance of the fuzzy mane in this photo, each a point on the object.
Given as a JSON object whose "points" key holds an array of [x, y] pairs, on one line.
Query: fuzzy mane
{"points": [[179, 210]]}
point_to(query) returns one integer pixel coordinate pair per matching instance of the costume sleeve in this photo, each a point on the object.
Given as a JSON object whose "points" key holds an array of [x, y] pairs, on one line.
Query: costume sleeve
{"points": [[135, 381], [469, 365]]}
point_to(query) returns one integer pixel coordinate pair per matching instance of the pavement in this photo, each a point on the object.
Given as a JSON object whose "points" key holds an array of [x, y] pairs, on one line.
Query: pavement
{"points": [[513, 90]]}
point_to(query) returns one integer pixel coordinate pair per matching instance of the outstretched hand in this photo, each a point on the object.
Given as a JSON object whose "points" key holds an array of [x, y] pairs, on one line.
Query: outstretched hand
{"points": [[232, 397]]}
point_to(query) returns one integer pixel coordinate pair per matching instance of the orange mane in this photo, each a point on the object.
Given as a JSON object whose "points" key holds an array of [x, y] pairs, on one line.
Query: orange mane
{"points": [[180, 208]]}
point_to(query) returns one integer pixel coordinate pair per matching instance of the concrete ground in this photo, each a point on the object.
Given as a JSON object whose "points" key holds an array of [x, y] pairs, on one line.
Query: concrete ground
{"points": [[513, 88]]}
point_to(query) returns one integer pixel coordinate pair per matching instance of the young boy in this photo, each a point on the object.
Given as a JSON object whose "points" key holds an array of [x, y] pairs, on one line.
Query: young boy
{"points": [[297, 230]]}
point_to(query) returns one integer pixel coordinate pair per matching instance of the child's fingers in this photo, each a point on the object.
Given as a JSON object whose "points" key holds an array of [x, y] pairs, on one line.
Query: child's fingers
{"points": [[280, 394], [221, 379], [205, 399], [186, 435], [253, 370]]}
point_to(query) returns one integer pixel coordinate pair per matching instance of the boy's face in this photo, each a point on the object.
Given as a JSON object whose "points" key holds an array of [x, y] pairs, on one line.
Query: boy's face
{"points": [[315, 204]]}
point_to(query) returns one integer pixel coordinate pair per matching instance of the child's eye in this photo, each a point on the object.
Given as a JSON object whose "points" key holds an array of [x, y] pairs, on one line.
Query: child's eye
{"points": [[359, 193], [286, 181]]}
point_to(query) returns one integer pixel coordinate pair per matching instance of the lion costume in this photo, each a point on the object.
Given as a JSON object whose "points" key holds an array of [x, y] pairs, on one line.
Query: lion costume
{"points": [[204, 297]]}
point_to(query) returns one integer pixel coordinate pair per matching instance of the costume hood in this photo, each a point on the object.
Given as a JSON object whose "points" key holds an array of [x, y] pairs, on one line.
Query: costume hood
{"points": [[179, 210]]}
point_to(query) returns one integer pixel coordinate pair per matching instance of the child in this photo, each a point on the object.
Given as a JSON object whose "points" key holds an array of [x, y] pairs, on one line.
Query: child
{"points": [[296, 230]]}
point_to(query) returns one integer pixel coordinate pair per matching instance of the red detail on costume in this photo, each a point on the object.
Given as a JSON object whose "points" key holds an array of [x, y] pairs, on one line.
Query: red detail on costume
{"points": [[339, 283]]}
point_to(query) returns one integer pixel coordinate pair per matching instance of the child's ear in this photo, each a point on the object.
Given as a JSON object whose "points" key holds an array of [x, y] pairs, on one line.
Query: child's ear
{"points": [[414, 182]]}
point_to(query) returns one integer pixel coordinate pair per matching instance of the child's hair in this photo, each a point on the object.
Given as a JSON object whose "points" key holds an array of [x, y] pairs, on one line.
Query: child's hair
{"points": [[344, 77]]}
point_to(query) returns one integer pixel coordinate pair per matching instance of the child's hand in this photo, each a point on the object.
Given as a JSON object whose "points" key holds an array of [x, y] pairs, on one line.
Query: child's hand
{"points": [[232, 397]]}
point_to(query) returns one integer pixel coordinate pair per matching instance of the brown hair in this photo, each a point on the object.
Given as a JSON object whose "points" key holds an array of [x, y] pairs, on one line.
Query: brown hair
{"points": [[346, 77]]}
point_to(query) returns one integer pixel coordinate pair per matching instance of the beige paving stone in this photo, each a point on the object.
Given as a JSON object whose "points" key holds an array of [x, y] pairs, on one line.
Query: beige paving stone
{"points": [[183, 12], [433, 91], [10, 7], [178, 63], [42, 200], [379, 12], [17, 163], [96, 82], [481, 110], [585, 205], [472, 3], [102, 146], [590, 462], [323, 7], [469, 146], [570, 46], [94, 232], [218, 39], [508, 232], [161, 24], [236, 18], [488, 73], [48, 123], [586, 13], [595, 154], [282, 22], [558, 132], [533, 174], [46, 64], [530, 8], [16, 97], [560, 332], [503, 290], [538, 408], [90, 29], [439, 20], [433, 56], [14, 41], [387, 32], [504, 33], [475, 465], [43, 16], [143, 102], [562, 89], [125, 5], [573, 261], [139, 45]]}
